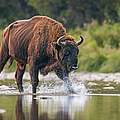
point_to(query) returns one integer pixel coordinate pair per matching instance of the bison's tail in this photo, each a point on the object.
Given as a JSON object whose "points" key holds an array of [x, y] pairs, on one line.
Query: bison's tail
{"points": [[4, 50], [4, 55]]}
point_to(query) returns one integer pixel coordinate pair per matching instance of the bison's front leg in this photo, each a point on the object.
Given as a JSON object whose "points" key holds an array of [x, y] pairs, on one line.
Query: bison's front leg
{"points": [[34, 76], [62, 74], [19, 75]]}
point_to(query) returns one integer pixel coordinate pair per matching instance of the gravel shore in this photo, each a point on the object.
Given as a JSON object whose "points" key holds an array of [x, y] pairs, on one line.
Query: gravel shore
{"points": [[82, 76]]}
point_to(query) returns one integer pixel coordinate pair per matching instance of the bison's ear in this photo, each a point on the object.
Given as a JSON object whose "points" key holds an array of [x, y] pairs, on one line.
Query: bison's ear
{"points": [[81, 41], [56, 46]]}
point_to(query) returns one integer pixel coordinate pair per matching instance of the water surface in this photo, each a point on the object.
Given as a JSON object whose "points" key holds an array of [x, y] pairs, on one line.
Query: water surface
{"points": [[60, 108], [95, 100]]}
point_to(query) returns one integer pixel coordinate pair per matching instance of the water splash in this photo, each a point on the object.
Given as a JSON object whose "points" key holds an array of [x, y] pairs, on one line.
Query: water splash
{"points": [[45, 87]]}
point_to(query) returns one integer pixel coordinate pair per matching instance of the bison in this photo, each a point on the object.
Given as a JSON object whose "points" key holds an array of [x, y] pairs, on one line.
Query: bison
{"points": [[44, 45]]}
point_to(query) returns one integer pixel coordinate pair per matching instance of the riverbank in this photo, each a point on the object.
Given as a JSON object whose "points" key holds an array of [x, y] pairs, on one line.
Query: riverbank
{"points": [[82, 82], [81, 76]]}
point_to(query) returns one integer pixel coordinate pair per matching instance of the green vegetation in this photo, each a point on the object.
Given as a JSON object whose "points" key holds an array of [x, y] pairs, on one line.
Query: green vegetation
{"points": [[72, 13]]}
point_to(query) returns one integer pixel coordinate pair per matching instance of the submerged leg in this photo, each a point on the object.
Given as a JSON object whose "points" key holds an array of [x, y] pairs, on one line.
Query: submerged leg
{"points": [[19, 75], [64, 76]]}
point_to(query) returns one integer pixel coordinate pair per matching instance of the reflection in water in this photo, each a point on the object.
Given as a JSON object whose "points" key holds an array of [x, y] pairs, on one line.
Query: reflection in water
{"points": [[61, 115], [56, 108], [1, 117], [60, 108], [34, 110], [19, 109], [20, 115]]}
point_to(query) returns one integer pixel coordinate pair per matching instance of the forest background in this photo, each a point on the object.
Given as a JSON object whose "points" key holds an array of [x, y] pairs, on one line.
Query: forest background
{"points": [[97, 20]]}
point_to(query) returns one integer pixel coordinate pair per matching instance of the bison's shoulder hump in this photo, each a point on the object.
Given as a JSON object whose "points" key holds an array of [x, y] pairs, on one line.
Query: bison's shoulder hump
{"points": [[44, 19]]}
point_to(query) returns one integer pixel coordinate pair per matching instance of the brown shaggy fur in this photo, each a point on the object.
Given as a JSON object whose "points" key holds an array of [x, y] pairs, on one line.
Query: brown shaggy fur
{"points": [[31, 41], [24, 35]]}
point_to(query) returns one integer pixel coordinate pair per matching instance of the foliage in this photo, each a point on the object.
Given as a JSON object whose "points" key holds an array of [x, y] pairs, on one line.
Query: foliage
{"points": [[12, 10], [107, 36], [79, 12], [72, 13]]}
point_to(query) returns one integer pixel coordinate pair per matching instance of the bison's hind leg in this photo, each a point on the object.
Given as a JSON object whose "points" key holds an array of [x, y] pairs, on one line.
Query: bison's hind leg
{"points": [[19, 75], [4, 56]]}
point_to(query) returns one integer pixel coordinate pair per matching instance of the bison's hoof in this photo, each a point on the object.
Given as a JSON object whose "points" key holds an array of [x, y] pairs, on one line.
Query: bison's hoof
{"points": [[20, 89]]}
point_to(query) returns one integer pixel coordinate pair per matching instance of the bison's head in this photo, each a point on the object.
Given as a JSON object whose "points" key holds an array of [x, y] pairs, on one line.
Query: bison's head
{"points": [[68, 51]]}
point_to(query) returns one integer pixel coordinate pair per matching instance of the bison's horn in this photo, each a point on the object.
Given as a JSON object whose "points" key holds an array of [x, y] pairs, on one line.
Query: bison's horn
{"points": [[60, 42], [82, 39]]}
